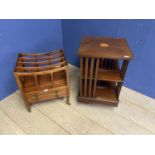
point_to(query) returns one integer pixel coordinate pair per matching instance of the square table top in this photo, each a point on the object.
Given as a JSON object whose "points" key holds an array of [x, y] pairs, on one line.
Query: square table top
{"points": [[105, 47]]}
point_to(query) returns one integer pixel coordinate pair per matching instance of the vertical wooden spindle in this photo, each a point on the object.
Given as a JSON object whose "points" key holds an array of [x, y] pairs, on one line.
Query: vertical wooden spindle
{"points": [[91, 76], [52, 80], [81, 77], [86, 77], [36, 81], [95, 80]]}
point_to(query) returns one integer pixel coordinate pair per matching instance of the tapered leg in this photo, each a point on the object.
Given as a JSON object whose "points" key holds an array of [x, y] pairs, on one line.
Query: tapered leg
{"points": [[68, 100], [68, 90], [22, 93], [29, 108]]}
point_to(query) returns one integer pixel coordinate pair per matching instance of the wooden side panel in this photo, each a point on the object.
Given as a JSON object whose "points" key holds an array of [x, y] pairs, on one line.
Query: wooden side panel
{"points": [[123, 71]]}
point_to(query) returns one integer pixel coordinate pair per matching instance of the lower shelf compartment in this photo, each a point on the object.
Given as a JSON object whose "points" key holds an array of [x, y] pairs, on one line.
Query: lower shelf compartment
{"points": [[97, 100], [106, 94]]}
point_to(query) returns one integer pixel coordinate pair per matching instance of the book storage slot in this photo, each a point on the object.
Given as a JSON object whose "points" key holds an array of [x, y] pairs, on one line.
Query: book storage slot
{"points": [[102, 74], [99, 78], [42, 77]]}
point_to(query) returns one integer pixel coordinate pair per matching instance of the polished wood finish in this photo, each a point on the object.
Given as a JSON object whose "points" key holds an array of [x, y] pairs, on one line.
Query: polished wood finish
{"points": [[101, 71], [42, 77], [109, 75], [117, 48]]}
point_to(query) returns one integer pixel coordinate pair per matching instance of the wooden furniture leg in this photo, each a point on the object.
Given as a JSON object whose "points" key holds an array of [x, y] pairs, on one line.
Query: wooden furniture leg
{"points": [[67, 78], [123, 71], [22, 93], [68, 100]]}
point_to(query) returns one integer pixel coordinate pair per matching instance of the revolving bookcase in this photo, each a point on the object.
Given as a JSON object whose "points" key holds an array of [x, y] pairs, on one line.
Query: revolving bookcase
{"points": [[103, 64], [42, 77]]}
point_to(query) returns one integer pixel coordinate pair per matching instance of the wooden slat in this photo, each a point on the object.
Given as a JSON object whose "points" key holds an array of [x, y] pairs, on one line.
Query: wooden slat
{"points": [[85, 76], [52, 80], [91, 76], [81, 73], [42, 58], [40, 54], [95, 81], [40, 72], [42, 62], [40, 68], [36, 82]]}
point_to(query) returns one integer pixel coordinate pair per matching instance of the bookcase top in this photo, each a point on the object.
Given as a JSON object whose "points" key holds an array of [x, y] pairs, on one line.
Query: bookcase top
{"points": [[105, 47]]}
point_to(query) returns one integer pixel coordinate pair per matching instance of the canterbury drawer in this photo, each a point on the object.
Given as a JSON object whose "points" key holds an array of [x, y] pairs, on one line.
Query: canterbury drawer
{"points": [[46, 95], [61, 92]]}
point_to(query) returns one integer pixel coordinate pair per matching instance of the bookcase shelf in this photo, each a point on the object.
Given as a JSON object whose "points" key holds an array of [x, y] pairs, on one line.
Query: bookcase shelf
{"points": [[103, 64], [106, 94], [109, 75]]}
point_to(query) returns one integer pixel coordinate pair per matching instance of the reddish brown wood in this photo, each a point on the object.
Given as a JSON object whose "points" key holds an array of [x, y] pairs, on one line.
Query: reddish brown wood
{"points": [[42, 77]]}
